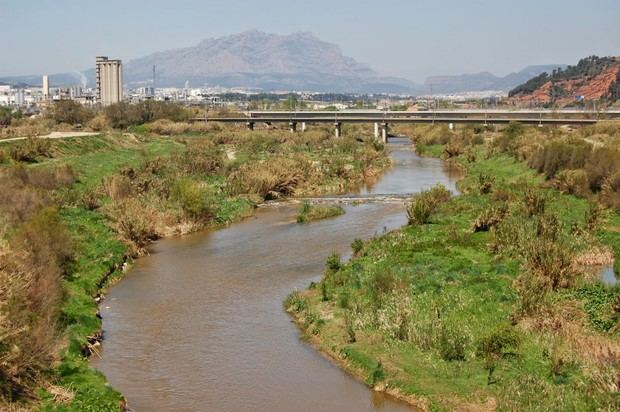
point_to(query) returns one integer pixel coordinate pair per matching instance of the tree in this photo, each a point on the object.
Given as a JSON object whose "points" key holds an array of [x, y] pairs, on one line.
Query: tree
{"points": [[71, 112], [121, 115], [5, 116]]}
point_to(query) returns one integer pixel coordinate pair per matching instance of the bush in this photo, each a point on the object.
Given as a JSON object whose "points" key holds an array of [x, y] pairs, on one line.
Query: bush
{"points": [[424, 204], [610, 191], [28, 150], [534, 202], [99, 123], [489, 218], [452, 342], [494, 346], [574, 182], [30, 296], [270, 179], [135, 221], [194, 198], [560, 154], [168, 127], [122, 115], [357, 246], [603, 163], [333, 262], [202, 157], [508, 141], [309, 212], [485, 183], [70, 112], [117, 186]]}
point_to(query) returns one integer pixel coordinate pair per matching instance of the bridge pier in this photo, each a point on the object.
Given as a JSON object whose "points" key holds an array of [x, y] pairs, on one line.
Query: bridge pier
{"points": [[338, 129], [250, 126], [384, 132], [376, 130], [292, 127], [303, 126]]}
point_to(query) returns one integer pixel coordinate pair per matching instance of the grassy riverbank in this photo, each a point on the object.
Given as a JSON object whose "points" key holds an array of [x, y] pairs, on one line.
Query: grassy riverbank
{"points": [[485, 301], [75, 210]]}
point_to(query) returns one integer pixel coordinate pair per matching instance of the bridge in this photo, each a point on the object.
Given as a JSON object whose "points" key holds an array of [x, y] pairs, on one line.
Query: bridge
{"points": [[382, 120]]}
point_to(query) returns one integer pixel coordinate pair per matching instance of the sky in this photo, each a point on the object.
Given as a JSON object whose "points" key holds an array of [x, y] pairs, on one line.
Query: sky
{"points": [[405, 38]]}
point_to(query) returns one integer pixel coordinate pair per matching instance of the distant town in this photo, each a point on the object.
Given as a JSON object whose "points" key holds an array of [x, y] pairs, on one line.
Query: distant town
{"points": [[110, 89]]}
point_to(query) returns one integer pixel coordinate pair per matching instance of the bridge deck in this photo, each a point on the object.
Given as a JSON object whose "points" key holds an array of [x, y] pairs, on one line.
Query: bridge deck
{"points": [[393, 120]]}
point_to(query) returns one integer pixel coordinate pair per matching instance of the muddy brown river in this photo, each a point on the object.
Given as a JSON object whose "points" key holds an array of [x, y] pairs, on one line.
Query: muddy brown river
{"points": [[198, 325]]}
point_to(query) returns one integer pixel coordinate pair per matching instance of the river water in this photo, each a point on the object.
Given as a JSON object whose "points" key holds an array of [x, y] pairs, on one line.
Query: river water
{"points": [[198, 325]]}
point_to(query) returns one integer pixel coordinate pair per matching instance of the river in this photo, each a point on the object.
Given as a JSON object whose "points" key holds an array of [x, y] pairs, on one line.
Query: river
{"points": [[199, 324]]}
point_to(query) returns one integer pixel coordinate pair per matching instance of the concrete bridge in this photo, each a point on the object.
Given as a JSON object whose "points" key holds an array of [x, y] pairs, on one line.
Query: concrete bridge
{"points": [[383, 120]]}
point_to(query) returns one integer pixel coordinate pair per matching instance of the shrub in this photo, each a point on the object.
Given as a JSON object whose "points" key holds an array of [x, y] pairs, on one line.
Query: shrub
{"points": [[534, 202], [349, 326], [560, 154], [489, 218], [121, 115], [202, 157], [604, 162], [574, 182], [70, 112], [424, 204], [452, 342], [135, 221], [117, 186], [30, 296], [493, 347], [357, 246], [593, 217], [270, 179], [99, 123], [610, 191], [28, 150], [167, 127], [508, 141], [309, 212], [453, 149], [485, 183], [333, 262], [194, 198]]}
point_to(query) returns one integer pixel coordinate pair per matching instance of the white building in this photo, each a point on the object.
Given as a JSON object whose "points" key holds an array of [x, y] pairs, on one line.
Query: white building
{"points": [[46, 87]]}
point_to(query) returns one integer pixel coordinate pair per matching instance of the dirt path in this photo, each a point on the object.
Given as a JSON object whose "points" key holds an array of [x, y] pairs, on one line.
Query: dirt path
{"points": [[54, 135]]}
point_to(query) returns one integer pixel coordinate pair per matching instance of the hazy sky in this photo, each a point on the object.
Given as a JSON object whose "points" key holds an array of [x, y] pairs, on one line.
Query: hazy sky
{"points": [[407, 38]]}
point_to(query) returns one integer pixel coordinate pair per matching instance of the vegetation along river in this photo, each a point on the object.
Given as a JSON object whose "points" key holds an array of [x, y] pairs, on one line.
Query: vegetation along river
{"points": [[199, 323]]}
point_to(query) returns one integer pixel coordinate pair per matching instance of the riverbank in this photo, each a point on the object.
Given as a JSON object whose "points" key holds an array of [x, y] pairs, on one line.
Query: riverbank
{"points": [[124, 191], [483, 308]]}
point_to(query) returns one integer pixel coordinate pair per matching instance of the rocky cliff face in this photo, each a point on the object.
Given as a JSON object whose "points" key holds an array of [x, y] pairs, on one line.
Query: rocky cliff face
{"points": [[593, 78]]}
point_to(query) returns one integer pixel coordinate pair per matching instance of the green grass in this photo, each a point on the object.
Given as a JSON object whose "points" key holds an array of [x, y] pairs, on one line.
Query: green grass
{"points": [[99, 252], [454, 281], [99, 259], [309, 212]]}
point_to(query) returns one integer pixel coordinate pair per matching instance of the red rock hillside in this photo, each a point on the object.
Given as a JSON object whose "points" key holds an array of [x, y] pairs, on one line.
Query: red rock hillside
{"points": [[592, 79]]}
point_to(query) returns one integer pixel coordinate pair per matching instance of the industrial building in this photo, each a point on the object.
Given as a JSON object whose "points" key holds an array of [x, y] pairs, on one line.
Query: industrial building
{"points": [[109, 81]]}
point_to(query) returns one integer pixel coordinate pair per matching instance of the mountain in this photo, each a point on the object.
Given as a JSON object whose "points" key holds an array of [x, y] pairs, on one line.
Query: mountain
{"points": [[252, 59], [483, 81], [593, 78], [298, 61]]}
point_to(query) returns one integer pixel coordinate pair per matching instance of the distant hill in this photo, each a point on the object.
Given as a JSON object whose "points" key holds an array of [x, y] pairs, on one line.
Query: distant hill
{"points": [[298, 61], [252, 59], [593, 78], [483, 81]]}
